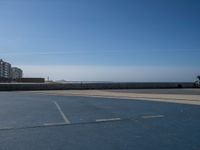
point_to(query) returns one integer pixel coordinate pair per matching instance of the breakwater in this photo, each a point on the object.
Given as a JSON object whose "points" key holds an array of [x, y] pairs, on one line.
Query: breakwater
{"points": [[85, 86]]}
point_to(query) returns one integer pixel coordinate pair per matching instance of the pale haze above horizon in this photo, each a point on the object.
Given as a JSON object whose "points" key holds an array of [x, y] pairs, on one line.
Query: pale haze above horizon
{"points": [[106, 40]]}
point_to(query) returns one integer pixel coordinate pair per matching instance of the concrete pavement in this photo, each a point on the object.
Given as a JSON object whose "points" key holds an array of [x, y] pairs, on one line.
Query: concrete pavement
{"points": [[34, 121], [183, 96]]}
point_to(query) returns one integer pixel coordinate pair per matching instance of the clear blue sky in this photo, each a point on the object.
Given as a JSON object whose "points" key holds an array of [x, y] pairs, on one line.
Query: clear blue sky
{"points": [[120, 34]]}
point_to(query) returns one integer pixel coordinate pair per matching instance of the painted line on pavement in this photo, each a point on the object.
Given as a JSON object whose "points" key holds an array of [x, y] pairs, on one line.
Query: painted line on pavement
{"points": [[153, 116], [55, 124], [110, 119], [61, 113]]}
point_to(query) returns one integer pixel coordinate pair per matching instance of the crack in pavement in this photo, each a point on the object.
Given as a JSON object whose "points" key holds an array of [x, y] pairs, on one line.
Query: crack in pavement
{"points": [[98, 121]]}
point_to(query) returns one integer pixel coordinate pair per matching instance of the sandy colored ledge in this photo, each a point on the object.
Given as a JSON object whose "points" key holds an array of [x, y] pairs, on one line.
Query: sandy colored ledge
{"points": [[172, 98]]}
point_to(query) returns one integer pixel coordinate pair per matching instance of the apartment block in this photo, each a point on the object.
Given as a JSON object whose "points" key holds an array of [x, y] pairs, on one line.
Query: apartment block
{"points": [[16, 73], [5, 69]]}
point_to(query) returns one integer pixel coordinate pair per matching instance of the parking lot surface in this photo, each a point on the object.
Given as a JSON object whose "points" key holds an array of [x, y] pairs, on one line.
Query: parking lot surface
{"points": [[36, 121]]}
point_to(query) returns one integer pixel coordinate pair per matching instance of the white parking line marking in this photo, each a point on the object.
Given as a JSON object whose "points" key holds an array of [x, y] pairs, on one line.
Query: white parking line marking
{"points": [[61, 113], [153, 116], [53, 124], [110, 119]]}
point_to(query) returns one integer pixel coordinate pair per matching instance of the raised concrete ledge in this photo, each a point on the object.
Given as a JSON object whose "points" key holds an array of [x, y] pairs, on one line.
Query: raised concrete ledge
{"points": [[85, 86]]}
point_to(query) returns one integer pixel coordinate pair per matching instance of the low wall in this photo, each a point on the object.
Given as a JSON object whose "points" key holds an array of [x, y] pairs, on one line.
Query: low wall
{"points": [[5, 80], [85, 86], [22, 80], [31, 80]]}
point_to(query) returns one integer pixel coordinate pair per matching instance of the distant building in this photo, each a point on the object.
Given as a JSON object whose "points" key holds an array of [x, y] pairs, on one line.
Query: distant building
{"points": [[16, 73], [5, 69], [10, 74]]}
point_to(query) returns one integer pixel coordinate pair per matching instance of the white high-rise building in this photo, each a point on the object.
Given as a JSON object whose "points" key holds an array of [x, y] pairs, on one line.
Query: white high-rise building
{"points": [[16, 73], [5, 69]]}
